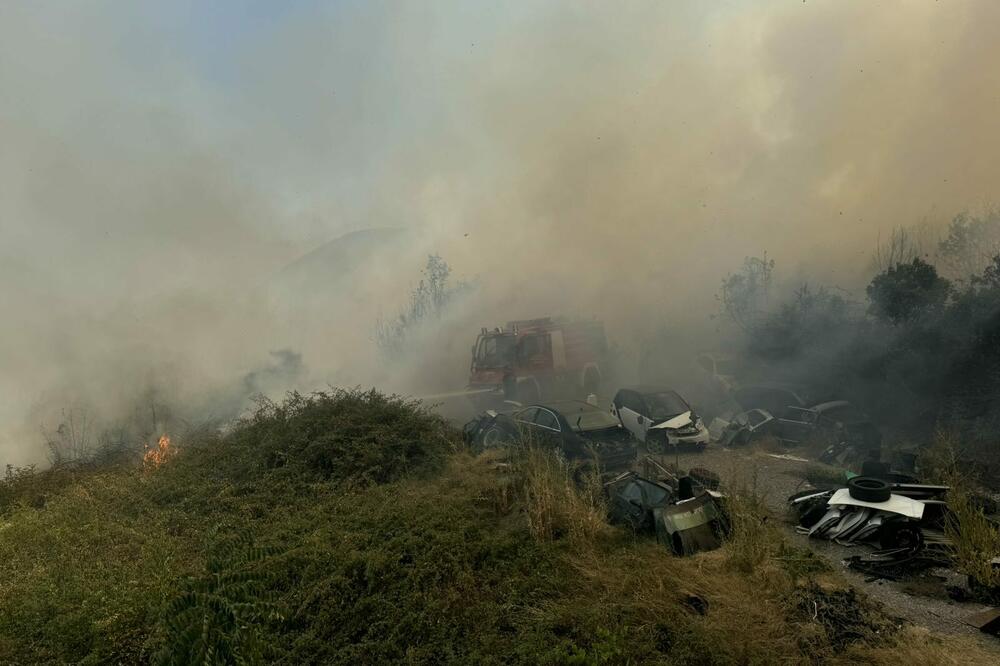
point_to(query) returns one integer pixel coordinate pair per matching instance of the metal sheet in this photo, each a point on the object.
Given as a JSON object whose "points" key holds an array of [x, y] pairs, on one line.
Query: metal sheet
{"points": [[903, 506]]}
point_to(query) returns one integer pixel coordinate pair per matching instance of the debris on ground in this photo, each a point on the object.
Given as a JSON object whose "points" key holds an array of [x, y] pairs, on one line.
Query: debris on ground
{"points": [[845, 616], [987, 621]]}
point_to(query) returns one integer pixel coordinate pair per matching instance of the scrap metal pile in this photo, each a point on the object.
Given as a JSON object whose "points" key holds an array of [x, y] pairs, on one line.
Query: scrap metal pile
{"points": [[904, 519]]}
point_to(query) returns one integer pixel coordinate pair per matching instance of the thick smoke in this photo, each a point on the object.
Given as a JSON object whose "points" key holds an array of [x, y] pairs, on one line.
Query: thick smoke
{"points": [[166, 165]]}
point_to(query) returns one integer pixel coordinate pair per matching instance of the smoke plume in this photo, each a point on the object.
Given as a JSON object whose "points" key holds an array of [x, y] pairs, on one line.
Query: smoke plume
{"points": [[167, 168]]}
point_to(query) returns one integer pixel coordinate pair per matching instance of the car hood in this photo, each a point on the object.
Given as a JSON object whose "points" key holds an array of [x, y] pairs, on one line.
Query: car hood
{"points": [[674, 423]]}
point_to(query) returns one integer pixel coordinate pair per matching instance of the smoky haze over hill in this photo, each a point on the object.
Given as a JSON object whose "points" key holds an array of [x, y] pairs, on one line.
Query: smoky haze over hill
{"points": [[167, 168]]}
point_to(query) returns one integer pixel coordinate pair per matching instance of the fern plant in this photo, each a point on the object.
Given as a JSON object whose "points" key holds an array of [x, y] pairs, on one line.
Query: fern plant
{"points": [[216, 618]]}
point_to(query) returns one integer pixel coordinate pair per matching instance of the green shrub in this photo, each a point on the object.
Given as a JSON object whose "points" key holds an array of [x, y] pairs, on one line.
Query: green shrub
{"points": [[216, 617], [357, 437]]}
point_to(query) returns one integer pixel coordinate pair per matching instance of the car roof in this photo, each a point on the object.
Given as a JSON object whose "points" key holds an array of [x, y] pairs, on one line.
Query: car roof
{"points": [[563, 406], [832, 404], [646, 389], [776, 386]]}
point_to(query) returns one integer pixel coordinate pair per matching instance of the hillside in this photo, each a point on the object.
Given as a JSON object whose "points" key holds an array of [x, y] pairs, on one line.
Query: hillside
{"points": [[354, 528]]}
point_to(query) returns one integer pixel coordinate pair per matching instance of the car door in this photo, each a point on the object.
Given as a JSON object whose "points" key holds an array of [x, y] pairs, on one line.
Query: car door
{"points": [[547, 428], [525, 420], [629, 505], [798, 425], [630, 407]]}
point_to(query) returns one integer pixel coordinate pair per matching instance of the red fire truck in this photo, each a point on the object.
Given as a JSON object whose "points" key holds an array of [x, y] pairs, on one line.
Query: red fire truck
{"points": [[539, 359]]}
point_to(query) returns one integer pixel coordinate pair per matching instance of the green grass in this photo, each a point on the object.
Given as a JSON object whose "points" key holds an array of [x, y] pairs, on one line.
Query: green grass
{"points": [[351, 528]]}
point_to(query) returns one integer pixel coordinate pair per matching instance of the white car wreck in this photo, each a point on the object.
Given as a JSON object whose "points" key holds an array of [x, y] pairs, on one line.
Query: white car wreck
{"points": [[660, 418]]}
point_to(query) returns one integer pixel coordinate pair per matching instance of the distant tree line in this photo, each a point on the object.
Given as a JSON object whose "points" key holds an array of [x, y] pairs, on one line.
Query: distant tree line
{"points": [[921, 351]]}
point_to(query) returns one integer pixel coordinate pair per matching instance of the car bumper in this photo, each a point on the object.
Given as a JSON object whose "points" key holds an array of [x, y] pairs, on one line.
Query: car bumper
{"points": [[701, 438]]}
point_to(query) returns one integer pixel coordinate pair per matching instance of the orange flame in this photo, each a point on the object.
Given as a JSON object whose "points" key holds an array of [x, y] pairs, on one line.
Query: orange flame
{"points": [[157, 455]]}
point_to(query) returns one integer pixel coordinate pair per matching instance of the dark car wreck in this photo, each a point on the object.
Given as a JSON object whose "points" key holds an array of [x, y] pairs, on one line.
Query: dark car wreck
{"points": [[579, 430], [683, 521], [837, 424]]}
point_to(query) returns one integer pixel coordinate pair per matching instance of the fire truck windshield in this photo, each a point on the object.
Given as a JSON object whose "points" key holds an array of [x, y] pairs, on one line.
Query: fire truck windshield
{"points": [[495, 351]]}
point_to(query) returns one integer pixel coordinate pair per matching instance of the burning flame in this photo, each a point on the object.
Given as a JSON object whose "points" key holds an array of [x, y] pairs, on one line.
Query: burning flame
{"points": [[157, 455]]}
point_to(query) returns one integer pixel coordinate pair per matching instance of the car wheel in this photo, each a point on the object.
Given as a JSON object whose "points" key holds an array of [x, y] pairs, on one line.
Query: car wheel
{"points": [[493, 438], [868, 489]]}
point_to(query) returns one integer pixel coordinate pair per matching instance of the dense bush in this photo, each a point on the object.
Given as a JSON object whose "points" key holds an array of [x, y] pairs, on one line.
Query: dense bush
{"points": [[356, 437]]}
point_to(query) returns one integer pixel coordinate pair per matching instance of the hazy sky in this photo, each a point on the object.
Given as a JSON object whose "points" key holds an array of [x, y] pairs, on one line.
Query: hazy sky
{"points": [[159, 160]]}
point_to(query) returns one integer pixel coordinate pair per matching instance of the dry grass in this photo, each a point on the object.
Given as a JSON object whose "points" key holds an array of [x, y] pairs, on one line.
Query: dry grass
{"points": [[756, 600], [753, 537], [975, 539], [555, 507], [917, 646]]}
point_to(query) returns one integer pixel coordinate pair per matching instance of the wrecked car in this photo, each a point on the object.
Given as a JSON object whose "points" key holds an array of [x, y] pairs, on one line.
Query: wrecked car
{"points": [[720, 369], [775, 398], [684, 522], [743, 428], [633, 498], [659, 417], [800, 417], [836, 421], [579, 430]]}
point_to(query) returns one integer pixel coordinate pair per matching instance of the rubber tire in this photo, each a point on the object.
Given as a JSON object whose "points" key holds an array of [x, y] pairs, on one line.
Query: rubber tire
{"points": [[868, 489]]}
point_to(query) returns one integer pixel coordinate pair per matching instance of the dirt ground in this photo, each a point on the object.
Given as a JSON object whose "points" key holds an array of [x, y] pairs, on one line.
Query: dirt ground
{"points": [[922, 602]]}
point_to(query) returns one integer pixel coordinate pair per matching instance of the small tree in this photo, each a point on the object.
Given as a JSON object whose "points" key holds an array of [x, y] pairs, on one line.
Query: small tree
{"points": [[71, 441], [428, 301], [743, 295], [906, 291], [900, 248], [971, 243]]}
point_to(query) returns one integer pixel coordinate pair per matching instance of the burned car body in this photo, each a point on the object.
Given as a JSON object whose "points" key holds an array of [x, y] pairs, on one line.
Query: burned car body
{"points": [[686, 526], [659, 417], [691, 526], [774, 398], [799, 417], [632, 500], [834, 422], [744, 428], [579, 430]]}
